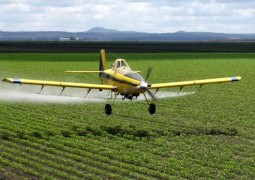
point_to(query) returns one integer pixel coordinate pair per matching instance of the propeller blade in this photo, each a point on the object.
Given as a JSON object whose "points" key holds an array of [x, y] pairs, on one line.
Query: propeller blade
{"points": [[148, 74], [151, 95]]}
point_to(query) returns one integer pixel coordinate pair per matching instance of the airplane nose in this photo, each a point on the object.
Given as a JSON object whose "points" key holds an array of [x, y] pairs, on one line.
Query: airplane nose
{"points": [[144, 85]]}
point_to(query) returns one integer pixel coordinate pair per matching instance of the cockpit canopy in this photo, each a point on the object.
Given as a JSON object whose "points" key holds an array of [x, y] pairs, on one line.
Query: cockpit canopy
{"points": [[120, 63], [121, 66]]}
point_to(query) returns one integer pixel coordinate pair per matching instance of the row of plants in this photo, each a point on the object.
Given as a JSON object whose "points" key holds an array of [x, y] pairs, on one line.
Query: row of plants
{"points": [[206, 135]]}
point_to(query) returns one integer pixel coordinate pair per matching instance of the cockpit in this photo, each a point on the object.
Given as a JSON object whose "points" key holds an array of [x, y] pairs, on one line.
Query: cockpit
{"points": [[120, 63], [122, 67]]}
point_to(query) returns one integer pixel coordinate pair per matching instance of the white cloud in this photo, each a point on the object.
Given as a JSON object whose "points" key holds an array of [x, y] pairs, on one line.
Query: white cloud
{"points": [[246, 13], [142, 15]]}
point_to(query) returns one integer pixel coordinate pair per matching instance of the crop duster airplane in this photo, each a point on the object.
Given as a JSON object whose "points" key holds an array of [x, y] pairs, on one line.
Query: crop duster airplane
{"points": [[122, 80]]}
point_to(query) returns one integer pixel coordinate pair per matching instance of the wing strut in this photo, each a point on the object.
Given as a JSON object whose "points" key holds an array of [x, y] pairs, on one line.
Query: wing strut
{"points": [[181, 89], [41, 89], [62, 91], [156, 92], [87, 93]]}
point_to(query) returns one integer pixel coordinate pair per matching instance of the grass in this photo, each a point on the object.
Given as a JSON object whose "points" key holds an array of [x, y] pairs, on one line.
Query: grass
{"points": [[209, 134]]}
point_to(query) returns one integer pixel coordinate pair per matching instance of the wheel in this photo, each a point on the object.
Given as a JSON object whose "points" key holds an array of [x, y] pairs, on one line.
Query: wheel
{"points": [[152, 108], [108, 109]]}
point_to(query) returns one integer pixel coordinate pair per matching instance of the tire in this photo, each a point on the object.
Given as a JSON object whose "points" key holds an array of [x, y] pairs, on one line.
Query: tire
{"points": [[108, 109], [152, 108]]}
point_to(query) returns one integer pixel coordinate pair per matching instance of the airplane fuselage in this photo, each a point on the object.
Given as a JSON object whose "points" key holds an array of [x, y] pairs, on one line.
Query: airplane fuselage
{"points": [[130, 83]]}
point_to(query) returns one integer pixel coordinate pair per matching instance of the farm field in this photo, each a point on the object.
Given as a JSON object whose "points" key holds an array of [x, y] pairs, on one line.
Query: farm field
{"points": [[208, 134]]}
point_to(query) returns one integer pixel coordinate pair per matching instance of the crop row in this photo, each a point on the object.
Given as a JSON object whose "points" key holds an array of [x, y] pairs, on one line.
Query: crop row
{"points": [[43, 162], [30, 136], [114, 149], [70, 127], [113, 153], [84, 159], [206, 135]]}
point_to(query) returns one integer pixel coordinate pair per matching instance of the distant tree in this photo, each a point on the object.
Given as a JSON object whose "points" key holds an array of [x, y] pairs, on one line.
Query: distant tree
{"points": [[72, 38]]}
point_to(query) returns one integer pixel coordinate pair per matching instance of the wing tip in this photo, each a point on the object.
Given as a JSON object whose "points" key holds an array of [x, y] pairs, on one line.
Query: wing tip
{"points": [[10, 80], [7, 80], [236, 78]]}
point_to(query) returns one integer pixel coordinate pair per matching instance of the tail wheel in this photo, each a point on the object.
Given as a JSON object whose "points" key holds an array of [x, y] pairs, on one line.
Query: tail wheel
{"points": [[108, 109], [152, 108]]}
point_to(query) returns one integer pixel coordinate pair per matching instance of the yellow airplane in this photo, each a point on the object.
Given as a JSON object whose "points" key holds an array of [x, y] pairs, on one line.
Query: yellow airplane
{"points": [[122, 80]]}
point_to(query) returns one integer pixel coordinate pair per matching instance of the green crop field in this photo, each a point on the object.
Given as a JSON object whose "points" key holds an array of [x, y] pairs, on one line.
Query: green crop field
{"points": [[209, 134]]}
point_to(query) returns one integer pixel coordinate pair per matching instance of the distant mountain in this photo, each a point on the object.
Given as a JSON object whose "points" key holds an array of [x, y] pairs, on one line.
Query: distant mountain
{"points": [[104, 34], [105, 30], [102, 30]]}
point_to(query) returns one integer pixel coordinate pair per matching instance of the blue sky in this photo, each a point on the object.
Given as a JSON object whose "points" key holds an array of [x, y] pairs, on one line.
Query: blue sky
{"points": [[158, 16]]}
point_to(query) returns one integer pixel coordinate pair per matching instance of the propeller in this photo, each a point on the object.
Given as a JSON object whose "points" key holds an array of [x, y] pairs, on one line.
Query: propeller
{"points": [[145, 85], [148, 74]]}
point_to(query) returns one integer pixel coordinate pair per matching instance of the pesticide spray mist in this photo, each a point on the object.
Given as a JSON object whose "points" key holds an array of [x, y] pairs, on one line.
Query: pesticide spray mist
{"points": [[25, 93]]}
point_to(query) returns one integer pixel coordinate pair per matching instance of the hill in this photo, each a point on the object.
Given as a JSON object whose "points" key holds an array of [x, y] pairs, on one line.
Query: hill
{"points": [[103, 34]]}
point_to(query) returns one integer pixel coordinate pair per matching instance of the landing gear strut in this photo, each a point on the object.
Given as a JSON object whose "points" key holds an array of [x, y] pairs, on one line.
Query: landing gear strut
{"points": [[108, 109], [152, 108]]}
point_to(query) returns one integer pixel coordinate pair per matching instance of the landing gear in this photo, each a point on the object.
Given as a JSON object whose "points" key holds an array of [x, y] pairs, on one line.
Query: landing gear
{"points": [[108, 109], [152, 108]]}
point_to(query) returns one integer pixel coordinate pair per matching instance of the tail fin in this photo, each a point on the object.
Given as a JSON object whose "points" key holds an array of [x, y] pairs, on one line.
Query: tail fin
{"points": [[102, 63]]}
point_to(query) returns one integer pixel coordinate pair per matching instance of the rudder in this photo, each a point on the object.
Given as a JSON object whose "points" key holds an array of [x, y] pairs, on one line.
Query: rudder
{"points": [[102, 63]]}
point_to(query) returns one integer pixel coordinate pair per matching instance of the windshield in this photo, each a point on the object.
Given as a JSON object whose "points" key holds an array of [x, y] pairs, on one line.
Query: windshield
{"points": [[123, 63], [118, 64], [135, 76]]}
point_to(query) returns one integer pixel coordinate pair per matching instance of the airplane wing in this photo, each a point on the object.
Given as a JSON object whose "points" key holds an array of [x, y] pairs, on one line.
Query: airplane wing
{"points": [[60, 84], [83, 71], [90, 71], [194, 82]]}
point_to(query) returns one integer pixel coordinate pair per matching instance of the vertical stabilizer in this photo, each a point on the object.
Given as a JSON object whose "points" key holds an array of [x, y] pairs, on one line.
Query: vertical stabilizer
{"points": [[102, 63]]}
